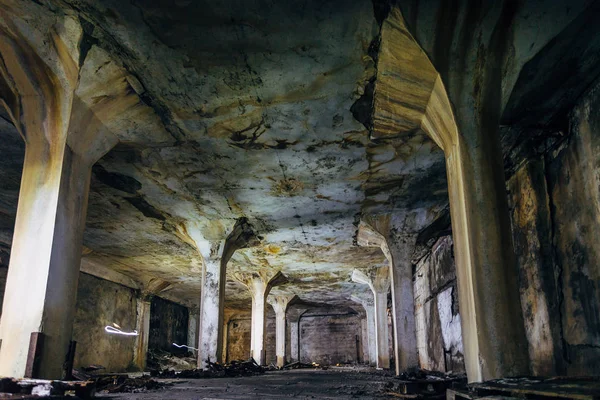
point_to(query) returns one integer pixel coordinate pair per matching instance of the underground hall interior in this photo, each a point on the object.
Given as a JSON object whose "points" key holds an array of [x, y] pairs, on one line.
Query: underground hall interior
{"points": [[347, 198]]}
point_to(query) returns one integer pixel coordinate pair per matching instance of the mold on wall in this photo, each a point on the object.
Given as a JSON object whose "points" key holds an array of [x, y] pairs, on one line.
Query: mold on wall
{"points": [[532, 236], [555, 215], [168, 325], [101, 303], [574, 176], [437, 320]]}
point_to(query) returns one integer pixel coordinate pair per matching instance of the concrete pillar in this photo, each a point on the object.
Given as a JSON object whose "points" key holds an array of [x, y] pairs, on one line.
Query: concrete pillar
{"points": [[365, 340], [382, 330], [259, 284], [403, 302], [280, 305], [379, 283], [369, 337], [142, 326], [210, 345], [493, 332], [398, 249], [216, 255], [192, 336], [45, 259], [491, 318], [41, 285], [258, 288], [55, 109]]}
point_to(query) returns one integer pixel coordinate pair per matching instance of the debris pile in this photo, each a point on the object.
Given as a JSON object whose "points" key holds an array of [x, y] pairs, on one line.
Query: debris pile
{"points": [[125, 384], [215, 370], [532, 388], [237, 368], [12, 388], [160, 360], [301, 365], [423, 384]]}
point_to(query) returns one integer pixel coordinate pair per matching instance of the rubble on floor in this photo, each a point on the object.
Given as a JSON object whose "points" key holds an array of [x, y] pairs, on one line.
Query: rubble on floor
{"points": [[159, 360], [582, 388], [215, 370], [423, 384], [301, 365], [11, 388], [126, 384]]}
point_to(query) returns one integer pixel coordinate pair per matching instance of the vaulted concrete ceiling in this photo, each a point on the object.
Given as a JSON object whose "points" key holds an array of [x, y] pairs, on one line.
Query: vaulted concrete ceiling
{"points": [[247, 108], [248, 111]]}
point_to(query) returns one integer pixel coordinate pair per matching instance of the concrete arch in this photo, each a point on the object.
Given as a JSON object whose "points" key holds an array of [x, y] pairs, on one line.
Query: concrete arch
{"points": [[410, 95]]}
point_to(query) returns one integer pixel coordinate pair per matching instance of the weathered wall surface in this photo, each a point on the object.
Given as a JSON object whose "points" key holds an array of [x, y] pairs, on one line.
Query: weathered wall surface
{"points": [[330, 340], [574, 187], [168, 325], [555, 212], [238, 345], [101, 303], [532, 235], [270, 342], [238, 342], [437, 320]]}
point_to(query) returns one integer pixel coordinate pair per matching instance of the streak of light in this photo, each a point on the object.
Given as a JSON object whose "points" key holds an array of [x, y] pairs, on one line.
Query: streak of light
{"points": [[183, 345], [111, 329]]}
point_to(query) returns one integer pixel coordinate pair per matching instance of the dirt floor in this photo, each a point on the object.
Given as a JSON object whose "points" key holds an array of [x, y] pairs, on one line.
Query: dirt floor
{"points": [[297, 384]]}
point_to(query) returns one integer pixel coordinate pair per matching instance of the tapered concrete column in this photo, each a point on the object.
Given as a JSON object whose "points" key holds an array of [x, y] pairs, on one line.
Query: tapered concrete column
{"points": [[47, 242], [259, 284], [216, 255], [210, 345], [42, 280], [398, 249], [56, 110], [371, 339], [142, 326], [442, 106], [364, 334], [403, 302], [192, 336], [280, 305], [379, 283]]}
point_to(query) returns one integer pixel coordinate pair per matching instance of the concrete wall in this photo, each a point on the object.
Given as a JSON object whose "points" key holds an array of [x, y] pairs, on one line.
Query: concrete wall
{"points": [[238, 344], [270, 342], [555, 200], [168, 325], [532, 236], [101, 303], [437, 320], [330, 340]]}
